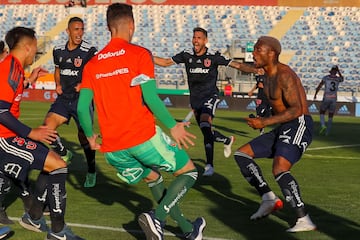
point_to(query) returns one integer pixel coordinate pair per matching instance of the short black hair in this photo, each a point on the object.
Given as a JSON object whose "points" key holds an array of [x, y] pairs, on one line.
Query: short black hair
{"points": [[118, 11], [271, 42], [16, 34], [200, 29], [75, 19]]}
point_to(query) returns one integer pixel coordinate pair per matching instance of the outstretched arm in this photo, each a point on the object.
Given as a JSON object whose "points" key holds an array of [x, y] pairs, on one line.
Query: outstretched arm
{"points": [[246, 68], [177, 130], [164, 62], [35, 74]]}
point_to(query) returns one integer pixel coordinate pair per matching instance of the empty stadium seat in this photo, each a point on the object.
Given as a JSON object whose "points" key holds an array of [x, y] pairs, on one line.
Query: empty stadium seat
{"points": [[323, 36]]}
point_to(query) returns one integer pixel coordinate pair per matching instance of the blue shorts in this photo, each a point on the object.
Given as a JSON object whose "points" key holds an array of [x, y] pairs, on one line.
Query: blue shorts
{"points": [[208, 106], [67, 107], [288, 140], [19, 155]]}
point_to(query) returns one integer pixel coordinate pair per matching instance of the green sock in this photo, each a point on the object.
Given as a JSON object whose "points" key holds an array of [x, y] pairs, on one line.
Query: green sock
{"points": [[163, 196]]}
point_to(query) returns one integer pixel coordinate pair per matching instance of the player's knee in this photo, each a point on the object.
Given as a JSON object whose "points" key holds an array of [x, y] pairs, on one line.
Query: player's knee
{"points": [[53, 161], [205, 128], [205, 117], [153, 176]]}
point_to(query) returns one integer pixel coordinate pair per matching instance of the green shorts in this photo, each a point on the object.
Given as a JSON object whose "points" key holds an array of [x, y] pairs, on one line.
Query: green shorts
{"points": [[159, 152]]}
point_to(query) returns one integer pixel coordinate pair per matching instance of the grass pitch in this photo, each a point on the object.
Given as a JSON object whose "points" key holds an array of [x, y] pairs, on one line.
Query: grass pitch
{"points": [[328, 174]]}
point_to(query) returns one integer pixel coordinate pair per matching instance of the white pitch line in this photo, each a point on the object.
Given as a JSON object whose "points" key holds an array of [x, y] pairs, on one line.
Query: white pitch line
{"points": [[115, 229], [331, 147], [330, 157]]}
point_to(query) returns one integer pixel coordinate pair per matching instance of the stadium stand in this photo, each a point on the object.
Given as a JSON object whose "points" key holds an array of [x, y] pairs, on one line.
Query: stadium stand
{"points": [[318, 37]]}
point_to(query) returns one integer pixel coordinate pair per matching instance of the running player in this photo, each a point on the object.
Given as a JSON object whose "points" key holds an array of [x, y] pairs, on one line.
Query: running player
{"points": [[120, 78], [286, 143], [69, 60], [202, 70], [328, 103], [21, 149]]}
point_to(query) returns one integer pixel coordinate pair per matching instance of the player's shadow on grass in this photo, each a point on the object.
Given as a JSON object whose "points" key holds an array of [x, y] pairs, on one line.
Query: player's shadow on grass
{"points": [[331, 225], [235, 211], [232, 209], [107, 190]]}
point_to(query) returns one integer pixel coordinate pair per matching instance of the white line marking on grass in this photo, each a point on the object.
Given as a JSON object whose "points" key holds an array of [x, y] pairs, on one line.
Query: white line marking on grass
{"points": [[330, 147], [115, 229], [330, 157]]}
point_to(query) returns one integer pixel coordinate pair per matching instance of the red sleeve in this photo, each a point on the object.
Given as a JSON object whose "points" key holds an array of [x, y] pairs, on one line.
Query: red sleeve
{"points": [[6, 79]]}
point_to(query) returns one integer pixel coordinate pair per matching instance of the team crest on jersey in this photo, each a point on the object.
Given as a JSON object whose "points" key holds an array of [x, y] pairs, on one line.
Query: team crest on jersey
{"points": [[207, 62], [77, 62]]}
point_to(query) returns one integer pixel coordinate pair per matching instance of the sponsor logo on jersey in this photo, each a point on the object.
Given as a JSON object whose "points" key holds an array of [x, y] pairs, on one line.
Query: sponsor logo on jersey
{"points": [[344, 110], [69, 72], [113, 73], [207, 62], [251, 105], [223, 104], [313, 108], [167, 101], [111, 54], [199, 70], [77, 62]]}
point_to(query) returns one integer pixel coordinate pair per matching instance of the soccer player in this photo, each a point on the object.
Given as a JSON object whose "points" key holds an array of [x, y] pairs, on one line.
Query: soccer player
{"points": [[201, 66], [5, 187], [69, 61], [328, 103], [263, 108], [21, 147], [120, 78], [286, 143]]}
